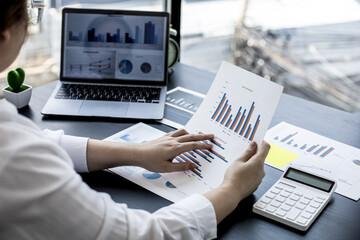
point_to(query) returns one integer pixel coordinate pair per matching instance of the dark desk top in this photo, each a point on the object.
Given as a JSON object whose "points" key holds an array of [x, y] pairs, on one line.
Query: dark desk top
{"points": [[340, 219]]}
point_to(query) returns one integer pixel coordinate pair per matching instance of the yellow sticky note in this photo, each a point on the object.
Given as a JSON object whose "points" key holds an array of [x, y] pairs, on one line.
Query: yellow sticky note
{"points": [[279, 157]]}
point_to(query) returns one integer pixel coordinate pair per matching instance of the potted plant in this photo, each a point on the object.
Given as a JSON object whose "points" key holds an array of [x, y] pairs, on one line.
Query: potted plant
{"points": [[17, 93]]}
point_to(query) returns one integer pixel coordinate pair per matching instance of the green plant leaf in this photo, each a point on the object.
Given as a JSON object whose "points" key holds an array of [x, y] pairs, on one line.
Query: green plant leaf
{"points": [[21, 73], [15, 79]]}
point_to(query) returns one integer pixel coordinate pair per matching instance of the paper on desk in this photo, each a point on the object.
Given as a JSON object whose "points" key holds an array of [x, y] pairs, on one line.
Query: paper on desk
{"points": [[237, 109], [152, 181], [180, 106], [316, 154]]}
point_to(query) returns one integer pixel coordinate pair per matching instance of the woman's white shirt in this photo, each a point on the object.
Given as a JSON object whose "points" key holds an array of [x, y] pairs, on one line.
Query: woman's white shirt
{"points": [[42, 197]]}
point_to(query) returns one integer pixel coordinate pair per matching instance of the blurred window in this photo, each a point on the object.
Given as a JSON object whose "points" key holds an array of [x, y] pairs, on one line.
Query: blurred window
{"points": [[312, 48]]}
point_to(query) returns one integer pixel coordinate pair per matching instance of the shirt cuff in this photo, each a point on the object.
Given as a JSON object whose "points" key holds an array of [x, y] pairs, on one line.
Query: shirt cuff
{"points": [[76, 148], [204, 214]]}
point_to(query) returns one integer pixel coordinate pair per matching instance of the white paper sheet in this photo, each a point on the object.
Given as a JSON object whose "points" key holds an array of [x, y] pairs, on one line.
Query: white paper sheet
{"points": [[152, 181], [251, 102], [320, 155]]}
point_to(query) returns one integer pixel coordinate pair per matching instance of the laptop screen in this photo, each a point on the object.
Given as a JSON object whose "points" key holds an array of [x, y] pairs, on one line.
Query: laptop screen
{"points": [[114, 46]]}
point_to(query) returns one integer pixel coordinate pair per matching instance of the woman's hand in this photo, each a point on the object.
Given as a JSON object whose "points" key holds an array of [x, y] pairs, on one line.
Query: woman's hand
{"points": [[157, 155], [241, 178], [246, 172]]}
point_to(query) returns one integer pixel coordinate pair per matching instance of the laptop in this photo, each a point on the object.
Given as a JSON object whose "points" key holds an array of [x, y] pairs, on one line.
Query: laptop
{"points": [[113, 64]]}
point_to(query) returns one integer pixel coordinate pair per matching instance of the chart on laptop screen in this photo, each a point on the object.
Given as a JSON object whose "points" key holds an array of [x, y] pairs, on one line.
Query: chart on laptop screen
{"points": [[114, 46]]}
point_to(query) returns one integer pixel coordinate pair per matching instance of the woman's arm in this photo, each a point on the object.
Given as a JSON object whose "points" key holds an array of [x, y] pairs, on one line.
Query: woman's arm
{"points": [[154, 155]]}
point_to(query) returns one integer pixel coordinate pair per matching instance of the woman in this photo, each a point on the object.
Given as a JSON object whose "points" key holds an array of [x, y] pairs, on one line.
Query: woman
{"points": [[42, 197]]}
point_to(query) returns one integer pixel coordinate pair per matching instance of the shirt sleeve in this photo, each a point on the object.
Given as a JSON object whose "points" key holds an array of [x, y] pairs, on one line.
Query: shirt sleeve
{"points": [[191, 218], [44, 198], [74, 146]]}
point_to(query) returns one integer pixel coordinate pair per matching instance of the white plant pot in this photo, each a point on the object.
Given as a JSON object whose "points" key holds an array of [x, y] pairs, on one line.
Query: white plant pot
{"points": [[20, 99]]}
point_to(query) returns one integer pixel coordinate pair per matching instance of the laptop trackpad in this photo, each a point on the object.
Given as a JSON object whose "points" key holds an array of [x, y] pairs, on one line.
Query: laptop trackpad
{"points": [[104, 108]]}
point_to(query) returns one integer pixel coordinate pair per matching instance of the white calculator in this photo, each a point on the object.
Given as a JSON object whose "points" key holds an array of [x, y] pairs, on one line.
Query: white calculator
{"points": [[296, 199]]}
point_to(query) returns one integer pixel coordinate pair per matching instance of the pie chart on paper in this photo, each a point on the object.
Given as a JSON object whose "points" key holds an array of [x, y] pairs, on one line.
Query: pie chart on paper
{"points": [[151, 175], [357, 162]]}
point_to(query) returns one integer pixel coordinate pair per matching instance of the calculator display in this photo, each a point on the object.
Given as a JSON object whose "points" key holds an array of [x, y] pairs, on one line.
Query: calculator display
{"points": [[308, 179]]}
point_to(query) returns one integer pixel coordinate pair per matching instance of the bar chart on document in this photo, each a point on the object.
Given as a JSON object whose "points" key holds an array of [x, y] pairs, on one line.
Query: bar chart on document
{"points": [[237, 110]]}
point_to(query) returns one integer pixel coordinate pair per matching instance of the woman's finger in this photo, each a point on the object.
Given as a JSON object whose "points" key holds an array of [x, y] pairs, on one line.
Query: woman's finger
{"points": [[177, 133], [195, 137], [262, 153], [188, 146], [177, 167], [249, 152]]}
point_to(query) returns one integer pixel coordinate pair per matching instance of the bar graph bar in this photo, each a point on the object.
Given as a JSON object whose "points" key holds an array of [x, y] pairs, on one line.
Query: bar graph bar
{"points": [[218, 155], [319, 150], [217, 144], [327, 152], [219, 107], [222, 111], [236, 119], [288, 137], [207, 152], [303, 147], [228, 121], [226, 115], [312, 148], [247, 119], [202, 155], [241, 123], [255, 128], [196, 170]]}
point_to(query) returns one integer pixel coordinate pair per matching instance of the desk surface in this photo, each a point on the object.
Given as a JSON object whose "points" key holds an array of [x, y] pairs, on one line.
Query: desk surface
{"points": [[340, 220]]}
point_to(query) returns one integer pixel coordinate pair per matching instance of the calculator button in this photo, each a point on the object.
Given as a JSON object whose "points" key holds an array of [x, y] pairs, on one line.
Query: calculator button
{"points": [[318, 201], [275, 204], [288, 190], [308, 197], [300, 206], [275, 190], [284, 194], [293, 214], [302, 220], [265, 200], [270, 195], [298, 194], [290, 202], [270, 209], [306, 215], [310, 210], [314, 205], [280, 212], [321, 197], [260, 205], [305, 201], [285, 207], [280, 199], [279, 187], [294, 197]]}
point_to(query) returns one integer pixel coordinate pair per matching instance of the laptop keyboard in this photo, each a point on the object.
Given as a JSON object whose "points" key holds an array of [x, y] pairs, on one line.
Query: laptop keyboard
{"points": [[109, 93]]}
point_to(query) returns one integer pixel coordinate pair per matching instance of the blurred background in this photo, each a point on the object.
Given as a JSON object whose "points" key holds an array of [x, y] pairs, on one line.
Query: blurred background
{"points": [[311, 47]]}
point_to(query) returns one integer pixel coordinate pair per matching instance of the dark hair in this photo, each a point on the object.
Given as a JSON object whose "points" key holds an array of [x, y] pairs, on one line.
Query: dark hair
{"points": [[12, 12]]}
